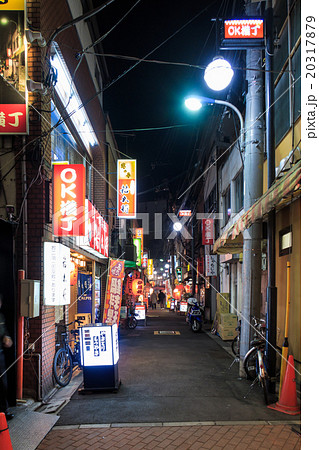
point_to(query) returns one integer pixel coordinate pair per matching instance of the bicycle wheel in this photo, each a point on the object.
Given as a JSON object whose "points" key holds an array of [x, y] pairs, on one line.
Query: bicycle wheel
{"points": [[235, 346], [62, 367], [250, 363], [263, 383], [132, 323]]}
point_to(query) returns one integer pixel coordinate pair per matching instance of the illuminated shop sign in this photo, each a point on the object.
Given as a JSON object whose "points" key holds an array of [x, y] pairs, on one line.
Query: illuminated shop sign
{"points": [[99, 345], [243, 33], [137, 243], [144, 260], [56, 274], [185, 213], [126, 188], [113, 299], [207, 231], [96, 232], [13, 69], [68, 200]]}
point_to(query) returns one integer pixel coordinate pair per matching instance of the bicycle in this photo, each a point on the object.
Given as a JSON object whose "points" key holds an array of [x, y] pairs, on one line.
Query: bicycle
{"points": [[65, 359], [235, 344], [253, 363]]}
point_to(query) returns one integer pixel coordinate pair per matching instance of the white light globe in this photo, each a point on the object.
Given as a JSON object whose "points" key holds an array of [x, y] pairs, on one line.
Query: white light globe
{"points": [[192, 103], [218, 74], [177, 226]]}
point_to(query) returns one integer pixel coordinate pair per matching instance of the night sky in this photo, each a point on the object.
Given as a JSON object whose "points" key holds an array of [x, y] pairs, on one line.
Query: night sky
{"points": [[152, 95]]}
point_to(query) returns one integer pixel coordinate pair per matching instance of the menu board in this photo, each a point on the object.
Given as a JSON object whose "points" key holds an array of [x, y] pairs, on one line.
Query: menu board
{"points": [[99, 345]]}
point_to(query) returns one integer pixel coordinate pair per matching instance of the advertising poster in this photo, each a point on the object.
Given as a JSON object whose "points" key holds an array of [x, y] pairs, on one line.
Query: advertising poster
{"points": [[113, 300], [13, 69], [84, 293]]}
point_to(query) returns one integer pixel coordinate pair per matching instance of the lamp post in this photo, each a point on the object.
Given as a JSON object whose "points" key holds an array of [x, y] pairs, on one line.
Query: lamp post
{"points": [[194, 103]]}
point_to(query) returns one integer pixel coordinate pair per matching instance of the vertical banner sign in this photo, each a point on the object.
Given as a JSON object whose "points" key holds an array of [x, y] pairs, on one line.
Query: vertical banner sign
{"points": [[68, 200], [144, 260], [150, 267], [207, 231], [139, 235], [137, 243], [84, 293], [56, 274], [126, 188], [13, 68], [113, 298]]}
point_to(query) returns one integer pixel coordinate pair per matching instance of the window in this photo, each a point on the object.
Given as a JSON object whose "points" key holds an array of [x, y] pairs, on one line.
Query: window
{"points": [[239, 191], [226, 206], [285, 241]]}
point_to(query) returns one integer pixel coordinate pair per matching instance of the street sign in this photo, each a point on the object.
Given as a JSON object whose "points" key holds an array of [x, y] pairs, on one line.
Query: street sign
{"points": [[241, 33]]}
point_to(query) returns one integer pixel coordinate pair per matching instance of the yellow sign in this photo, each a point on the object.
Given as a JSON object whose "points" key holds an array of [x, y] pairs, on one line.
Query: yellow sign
{"points": [[150, 267], [13, 5]]}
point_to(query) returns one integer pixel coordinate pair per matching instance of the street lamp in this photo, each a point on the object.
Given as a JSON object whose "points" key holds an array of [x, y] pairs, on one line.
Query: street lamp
{"points": [[194, 103], [218, 74]]}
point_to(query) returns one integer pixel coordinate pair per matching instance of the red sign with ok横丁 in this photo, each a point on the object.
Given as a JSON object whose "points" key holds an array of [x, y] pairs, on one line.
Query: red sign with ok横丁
{"points": [[69, 200], [244, 29]]}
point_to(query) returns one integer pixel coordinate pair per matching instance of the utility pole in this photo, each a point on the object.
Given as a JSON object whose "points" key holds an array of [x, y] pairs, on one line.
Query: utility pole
{"points": [[253, 189], [271, 335]]}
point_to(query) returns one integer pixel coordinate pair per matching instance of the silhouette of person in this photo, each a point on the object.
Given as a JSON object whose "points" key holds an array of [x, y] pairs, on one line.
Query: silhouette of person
{"points": [[5, 342]]}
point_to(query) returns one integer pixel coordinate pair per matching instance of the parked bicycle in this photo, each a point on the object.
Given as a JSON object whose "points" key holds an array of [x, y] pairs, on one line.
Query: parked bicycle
{"points": [[254, 365], [65, 359]]}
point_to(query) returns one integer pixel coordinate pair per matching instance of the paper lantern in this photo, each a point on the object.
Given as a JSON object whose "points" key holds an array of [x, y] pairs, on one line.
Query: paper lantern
{"points": [[137, 287]]}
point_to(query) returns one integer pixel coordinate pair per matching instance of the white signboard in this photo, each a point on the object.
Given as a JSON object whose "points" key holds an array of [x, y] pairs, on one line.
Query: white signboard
{"points": [[183, 306], [99, 345], [56, 274], [210, 265], [140, 312]]}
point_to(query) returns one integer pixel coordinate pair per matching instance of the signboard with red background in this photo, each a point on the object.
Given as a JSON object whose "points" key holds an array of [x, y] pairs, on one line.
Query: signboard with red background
{"points": [[13, 69], [126, 188], [68, 200], [207, 231], [112, 307]]}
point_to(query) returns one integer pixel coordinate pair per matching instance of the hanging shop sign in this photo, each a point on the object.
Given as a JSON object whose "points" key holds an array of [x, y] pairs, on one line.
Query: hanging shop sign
{"points": [[144, 260], [137, 243], [126, 188], [211, 265], [207, 231], [13, 70], [96, 232], [185, 213], [68, 200], [242, 33], [150, 267], [84, 293], [140, 235], [137, 287], [57, 265], [113, 298], [179, 274]]}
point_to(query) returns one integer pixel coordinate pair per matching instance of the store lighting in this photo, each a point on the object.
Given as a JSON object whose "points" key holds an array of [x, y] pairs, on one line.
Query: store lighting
{"points": [[72, 101], [218, 74]]}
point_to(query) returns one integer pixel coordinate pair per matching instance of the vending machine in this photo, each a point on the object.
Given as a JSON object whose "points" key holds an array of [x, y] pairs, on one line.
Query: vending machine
{"points": [[100, 356]]}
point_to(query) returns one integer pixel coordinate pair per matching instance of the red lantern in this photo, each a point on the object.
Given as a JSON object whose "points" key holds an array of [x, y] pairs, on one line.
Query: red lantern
{"points": [[137, 287], [177, 294], [187, 289]]}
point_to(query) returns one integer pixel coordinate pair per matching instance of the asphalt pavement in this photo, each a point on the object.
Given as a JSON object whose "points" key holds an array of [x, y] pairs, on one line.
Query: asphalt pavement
{"points": [[180, 377], [179, 390]]}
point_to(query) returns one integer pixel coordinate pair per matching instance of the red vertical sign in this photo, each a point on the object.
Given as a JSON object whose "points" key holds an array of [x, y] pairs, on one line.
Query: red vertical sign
{"points": [[69, 200], [113, 298], [207, 231]]}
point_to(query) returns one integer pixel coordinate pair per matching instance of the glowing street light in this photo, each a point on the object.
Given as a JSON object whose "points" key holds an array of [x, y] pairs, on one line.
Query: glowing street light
{"points": [[218, 74], [177, 226], [196, 102]]}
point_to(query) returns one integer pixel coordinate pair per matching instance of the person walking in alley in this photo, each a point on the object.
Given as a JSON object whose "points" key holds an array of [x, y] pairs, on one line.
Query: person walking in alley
{"points": [[161, 298], [153, 299], [5, 342]]}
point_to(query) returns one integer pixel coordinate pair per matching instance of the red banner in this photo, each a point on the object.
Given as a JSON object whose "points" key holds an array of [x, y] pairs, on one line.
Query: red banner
{"points": [[68, 200], [126, 188], [207, 231], [113, 298]]}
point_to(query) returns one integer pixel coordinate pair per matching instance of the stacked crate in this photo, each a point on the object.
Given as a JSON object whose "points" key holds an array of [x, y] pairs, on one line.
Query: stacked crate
{"points": [[227, 323]]}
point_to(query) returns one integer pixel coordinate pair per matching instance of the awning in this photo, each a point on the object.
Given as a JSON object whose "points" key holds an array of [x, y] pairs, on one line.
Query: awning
{"points": [[231, 240]]}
